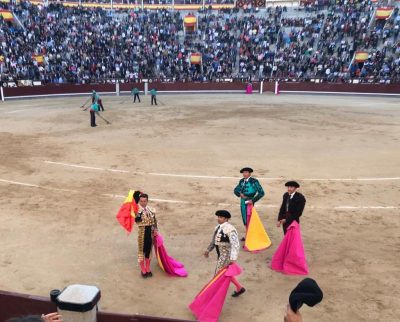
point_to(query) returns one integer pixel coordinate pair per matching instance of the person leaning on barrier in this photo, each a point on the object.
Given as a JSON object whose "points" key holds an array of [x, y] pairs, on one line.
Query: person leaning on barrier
{"points": [[51, 317]]}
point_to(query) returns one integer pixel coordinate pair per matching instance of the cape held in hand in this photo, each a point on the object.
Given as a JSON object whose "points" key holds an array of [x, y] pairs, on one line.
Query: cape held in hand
{"points": [[128, 209], [257, 238], [290, 258], [207, 305], [168, 264]]}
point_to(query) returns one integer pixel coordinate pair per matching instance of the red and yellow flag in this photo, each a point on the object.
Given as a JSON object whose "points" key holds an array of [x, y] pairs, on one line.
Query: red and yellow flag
{"points": [[127, 212], [383, 12], [195, 59], [361, 56], [189, 20], [7, 15], [39, 59]]}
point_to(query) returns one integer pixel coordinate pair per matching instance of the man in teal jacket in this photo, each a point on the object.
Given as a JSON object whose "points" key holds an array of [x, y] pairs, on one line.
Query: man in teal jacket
{"points": [[249, 191], [153, 93], [135, 93]]}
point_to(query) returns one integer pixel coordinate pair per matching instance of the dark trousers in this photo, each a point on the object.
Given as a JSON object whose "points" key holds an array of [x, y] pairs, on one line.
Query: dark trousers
{"points": [[286, 225], [100, 105], [136, 96], [153, 99], [92, 118], [148, 242]]}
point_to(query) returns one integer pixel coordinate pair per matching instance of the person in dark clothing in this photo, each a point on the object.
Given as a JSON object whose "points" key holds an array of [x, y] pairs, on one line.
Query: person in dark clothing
{"points": [[292, 206], [93, 110]]}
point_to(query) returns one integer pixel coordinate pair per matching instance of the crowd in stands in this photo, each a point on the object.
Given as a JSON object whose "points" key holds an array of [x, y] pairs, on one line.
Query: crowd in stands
{"points": [[82, 45]]}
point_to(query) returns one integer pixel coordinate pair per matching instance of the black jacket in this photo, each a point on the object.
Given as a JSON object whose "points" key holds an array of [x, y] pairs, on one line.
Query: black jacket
{"points": [[296, 207]]}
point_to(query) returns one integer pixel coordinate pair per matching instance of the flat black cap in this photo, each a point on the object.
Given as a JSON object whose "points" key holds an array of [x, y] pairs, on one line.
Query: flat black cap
{"points": [[246, 169]]}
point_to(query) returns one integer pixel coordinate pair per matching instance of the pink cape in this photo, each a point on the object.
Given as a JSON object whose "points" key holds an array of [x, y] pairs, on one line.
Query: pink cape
{"points": [[290, 258], [207, 305], [167, 263]]}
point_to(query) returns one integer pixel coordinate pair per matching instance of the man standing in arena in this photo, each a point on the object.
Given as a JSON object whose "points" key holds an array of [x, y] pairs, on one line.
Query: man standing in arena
{"points": [[249, 190], [96, 99], [135, 93], [153, 93], [292, 207], [147, 223], [94, 108], [225, 240]]}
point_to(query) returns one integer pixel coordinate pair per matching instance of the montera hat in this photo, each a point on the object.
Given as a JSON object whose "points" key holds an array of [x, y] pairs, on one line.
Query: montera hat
{"points": [[223, 213], [292, 184]]}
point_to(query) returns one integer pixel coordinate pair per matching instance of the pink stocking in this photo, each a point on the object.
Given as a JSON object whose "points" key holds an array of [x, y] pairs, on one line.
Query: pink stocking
{"points": [[237, 284], [148, 265], [142, 268]]}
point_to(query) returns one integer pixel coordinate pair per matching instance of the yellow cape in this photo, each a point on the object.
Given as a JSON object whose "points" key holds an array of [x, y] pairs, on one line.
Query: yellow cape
{"points": [[256, 236]]}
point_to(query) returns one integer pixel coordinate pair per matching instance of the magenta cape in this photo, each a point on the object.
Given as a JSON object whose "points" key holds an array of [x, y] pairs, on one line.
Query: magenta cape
{"points": [[167, 263], [290, 258], [207, 305]]}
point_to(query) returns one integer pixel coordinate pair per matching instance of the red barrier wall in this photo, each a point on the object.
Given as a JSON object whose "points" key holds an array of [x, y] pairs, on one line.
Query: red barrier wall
{"points": [[17, 305], [342, 88], [52, 89]]}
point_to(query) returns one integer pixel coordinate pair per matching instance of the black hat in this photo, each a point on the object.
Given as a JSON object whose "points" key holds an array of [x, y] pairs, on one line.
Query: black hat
{"points": [[223, 213], [307, 291], [292, 184], [246, 169]]}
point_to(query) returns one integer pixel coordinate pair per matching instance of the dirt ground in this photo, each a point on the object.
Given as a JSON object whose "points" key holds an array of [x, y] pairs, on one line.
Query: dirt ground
{"points": [[58, 226]]}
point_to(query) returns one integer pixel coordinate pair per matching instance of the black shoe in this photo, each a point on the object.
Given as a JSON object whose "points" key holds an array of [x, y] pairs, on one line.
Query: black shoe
{"points": [[236, 294], [149, 274], [144, 275]]}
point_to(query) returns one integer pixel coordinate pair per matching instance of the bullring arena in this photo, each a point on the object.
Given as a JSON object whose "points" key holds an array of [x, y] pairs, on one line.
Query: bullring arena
{"points": [[62, 183]]}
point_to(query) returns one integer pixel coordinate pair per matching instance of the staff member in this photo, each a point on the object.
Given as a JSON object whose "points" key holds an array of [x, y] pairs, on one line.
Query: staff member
{"points": [[93, 110], [153, 93], [135, 93]]}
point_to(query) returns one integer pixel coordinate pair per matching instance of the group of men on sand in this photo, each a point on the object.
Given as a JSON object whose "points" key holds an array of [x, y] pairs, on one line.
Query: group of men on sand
{"points": [[225, 238]]}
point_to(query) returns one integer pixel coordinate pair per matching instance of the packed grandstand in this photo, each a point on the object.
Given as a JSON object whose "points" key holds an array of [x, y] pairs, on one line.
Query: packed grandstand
{"points": [[335, 41]]}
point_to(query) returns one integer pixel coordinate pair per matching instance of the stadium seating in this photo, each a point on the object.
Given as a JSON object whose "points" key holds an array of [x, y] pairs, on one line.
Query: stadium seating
{"points": [[335, 42]]}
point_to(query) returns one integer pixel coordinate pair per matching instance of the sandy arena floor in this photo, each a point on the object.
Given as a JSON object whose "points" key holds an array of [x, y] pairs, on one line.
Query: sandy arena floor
{"points": [[58, 226]]}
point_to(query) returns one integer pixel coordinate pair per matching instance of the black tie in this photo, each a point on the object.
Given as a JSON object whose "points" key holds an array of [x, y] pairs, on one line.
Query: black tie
{"points": [[287, 203]]}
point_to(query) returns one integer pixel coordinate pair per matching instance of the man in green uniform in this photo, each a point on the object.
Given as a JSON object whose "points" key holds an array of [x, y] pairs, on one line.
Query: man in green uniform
{"points": [[135, 93], [153, 93], [96, 99], [249, 191]]}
